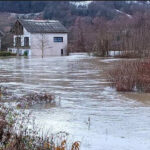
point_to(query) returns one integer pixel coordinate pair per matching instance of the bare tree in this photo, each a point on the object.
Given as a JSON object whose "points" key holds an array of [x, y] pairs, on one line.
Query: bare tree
{"points": [[7, 41], [43, 43]]}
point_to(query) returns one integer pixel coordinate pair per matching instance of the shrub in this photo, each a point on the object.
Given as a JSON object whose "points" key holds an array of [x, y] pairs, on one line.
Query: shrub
{"points": [[26, 53], [34, 98], [131, 76], [19, 132], [16, 135], [4, 53]]}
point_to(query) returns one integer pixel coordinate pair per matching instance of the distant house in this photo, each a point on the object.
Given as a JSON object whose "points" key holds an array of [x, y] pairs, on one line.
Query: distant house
{"points": [[1, 35], [39, 38]]}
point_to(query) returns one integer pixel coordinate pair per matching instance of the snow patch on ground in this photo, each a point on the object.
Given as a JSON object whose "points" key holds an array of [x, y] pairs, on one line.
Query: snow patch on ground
{"points": [[121, 12]]}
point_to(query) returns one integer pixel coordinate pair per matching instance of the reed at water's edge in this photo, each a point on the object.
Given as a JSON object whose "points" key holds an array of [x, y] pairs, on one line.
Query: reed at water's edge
{"points": [[130, 76]]}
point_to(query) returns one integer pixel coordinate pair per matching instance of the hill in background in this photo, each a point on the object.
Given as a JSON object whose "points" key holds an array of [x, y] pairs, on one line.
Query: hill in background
{"points": [[67, 12]]}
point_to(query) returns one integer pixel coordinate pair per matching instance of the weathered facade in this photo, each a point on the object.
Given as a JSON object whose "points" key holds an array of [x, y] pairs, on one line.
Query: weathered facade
{"points": [[39, 38]]}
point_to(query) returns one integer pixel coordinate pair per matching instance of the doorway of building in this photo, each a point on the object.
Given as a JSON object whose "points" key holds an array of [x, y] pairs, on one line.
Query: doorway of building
{"points": [[62, 52]]}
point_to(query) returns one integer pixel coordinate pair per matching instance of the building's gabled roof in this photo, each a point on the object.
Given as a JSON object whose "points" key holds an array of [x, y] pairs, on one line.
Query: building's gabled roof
{"points": [[43, 26]]}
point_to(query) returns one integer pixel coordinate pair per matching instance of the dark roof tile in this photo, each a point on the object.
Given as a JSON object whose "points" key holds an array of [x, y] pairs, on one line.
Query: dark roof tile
{"points": [[43, 26]]}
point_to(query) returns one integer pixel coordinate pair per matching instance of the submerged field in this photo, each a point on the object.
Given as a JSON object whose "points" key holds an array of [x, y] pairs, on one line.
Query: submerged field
{"points": [[88, 109]]}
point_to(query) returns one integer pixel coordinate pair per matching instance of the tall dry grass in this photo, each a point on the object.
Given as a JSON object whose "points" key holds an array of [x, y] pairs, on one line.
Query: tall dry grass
{"points": [[18, 130], [130, 75], [15, 134]]}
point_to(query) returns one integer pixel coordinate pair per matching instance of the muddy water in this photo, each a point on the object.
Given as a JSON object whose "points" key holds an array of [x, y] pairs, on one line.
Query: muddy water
{"points": [[117, 121]]}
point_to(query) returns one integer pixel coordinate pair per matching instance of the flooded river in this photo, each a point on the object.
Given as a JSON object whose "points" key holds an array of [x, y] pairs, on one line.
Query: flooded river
{"points": [[117, 121]]}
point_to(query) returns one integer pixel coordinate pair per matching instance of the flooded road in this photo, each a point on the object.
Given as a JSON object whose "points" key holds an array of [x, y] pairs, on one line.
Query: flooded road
{"points": [[117, 121]]}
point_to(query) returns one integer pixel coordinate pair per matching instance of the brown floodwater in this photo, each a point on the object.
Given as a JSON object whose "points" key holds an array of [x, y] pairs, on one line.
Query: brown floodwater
{"points": [[118, 121]]}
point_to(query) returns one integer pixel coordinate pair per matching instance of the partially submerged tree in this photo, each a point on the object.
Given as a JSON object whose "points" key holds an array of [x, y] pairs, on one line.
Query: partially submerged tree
{"points": [[43, 43]]}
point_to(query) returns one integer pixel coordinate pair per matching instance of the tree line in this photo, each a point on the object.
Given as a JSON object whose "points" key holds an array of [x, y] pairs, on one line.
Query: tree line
{"points": [[67, 11], [128, 35]]}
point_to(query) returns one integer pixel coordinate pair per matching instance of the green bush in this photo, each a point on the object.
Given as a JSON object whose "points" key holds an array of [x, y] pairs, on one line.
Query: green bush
{"points": [[26, 53], [4, 53]]}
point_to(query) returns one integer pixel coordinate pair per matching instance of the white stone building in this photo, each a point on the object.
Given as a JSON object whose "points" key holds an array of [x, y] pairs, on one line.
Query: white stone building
{"points": [[39, 38]]}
